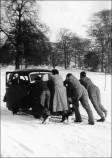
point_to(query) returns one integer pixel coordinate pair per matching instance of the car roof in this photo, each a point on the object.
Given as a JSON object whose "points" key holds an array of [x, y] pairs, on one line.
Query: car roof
{"points": [[28, 71]]}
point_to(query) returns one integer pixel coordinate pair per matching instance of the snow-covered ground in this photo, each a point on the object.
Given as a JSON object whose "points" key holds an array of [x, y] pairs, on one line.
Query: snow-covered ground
{"points": [[24, 136]]}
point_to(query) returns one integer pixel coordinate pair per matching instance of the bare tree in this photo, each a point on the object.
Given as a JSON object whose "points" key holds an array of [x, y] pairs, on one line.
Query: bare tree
{"points": [[65, 36], [80, 46], [14, 12], [100, 31]]}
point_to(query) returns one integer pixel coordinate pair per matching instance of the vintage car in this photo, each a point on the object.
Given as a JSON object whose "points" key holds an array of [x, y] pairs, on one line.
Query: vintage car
{"points": [[18, 85]]}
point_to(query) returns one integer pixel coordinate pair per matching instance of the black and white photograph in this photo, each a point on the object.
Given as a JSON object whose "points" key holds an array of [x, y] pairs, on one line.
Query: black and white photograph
{"points": [[56, 75]]}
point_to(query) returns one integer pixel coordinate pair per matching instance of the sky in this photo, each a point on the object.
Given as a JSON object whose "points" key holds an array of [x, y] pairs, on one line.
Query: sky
{"points": [[73, 15]]}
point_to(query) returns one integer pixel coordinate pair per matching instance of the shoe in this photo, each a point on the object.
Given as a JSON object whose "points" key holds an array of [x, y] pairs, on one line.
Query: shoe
{"points": [[78, 121], [46, 120], [63, 118], [101, 120], [91, 123]]}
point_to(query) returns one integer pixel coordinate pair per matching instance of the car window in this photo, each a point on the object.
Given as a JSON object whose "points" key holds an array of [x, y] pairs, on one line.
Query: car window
{"points": [[24, 78], [8, 79], [43, 75], [32, 76], [12, 79]]}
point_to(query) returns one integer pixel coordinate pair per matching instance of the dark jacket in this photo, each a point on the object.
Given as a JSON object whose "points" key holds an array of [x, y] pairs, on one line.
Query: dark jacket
{"points": [[37, 88], [88, 84], [74, 88]]}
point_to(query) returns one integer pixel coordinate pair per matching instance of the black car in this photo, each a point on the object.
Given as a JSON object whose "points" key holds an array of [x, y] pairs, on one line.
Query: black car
{"points": [[18, 85]]}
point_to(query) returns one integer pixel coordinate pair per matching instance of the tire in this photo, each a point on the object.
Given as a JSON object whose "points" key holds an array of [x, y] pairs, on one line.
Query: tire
{"points": [[15, 110]]}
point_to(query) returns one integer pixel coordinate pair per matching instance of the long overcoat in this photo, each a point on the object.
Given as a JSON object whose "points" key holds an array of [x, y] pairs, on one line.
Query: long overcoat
{"points": [[58, 92]]}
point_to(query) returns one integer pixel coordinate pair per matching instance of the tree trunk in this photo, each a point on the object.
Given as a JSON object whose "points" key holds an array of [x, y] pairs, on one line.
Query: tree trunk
{"points": [[17, 61], [75, 60], [65, 61], [102, 57], [26, 64]]}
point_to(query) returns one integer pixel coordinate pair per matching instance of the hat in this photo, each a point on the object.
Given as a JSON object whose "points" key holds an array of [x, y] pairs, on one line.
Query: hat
{"points": [[55, 71], [69, 74], [83, 74]]}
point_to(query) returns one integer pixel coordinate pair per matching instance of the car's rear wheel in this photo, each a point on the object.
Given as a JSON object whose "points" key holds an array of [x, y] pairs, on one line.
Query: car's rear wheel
{"points": [[15, 110]]}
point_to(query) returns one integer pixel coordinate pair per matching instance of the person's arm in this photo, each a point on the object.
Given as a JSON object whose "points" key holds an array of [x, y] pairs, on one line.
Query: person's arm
{"points": [[65, 83]]}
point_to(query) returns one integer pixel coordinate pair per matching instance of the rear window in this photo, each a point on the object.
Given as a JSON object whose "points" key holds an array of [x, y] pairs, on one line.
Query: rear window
{"points": [[12, 78], [16, 79]]}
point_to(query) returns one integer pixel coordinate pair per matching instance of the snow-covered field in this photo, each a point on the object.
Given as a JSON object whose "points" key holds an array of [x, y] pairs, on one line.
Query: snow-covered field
{"points": [[24, 136]]}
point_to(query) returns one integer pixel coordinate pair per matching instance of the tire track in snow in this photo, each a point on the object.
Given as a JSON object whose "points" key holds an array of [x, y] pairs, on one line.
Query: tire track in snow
{"points": [[14, 146]]}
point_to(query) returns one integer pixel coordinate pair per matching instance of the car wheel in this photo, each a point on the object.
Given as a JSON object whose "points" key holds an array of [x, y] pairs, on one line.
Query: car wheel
{"points": [[15, 110]]}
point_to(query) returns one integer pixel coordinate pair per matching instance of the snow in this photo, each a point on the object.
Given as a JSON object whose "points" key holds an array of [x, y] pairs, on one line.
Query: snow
{"points": [[24, 136]]}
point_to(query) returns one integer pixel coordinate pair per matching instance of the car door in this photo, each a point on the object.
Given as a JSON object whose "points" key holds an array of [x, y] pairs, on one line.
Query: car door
{"points": [[15, 91]]}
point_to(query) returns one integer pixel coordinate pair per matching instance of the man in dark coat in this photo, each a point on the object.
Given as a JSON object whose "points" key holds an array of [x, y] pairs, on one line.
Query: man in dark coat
{"points": [[40, 97], [77, 93], [94, 95]]}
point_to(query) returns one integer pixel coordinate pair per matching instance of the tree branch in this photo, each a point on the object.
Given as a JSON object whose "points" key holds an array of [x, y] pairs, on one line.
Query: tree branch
{"points": [[1, 30]]}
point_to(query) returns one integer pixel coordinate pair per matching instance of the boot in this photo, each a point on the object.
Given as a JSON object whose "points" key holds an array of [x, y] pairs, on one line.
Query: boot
{"points": [[101, 120], [63, 118], [91, 123], [78, 121]]}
